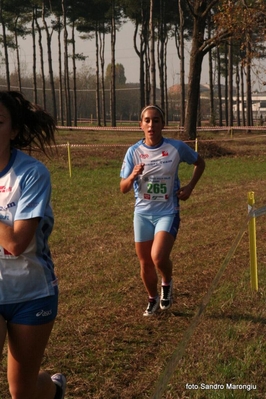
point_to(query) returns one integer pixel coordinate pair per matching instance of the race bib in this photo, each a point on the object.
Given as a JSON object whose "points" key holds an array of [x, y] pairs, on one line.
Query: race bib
{"points": [[154, 188]]}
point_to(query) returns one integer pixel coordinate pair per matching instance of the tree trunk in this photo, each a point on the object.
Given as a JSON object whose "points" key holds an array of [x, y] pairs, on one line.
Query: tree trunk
{"points": [[212, 112], [35, 95], [140, 54], [147, 75], [242, 95], [102, 48], [165, 82], [160, 53], [113, 95], [196, 58], [60, 83], [199, 113], [152, 56], [219, 87], [248, 85], [193, 94], [226, 84], [237, 95], [75, 116], [5, 45], [182, 65], [41, 62], [66, 69], [141, 51], [50, 62], [98, 117], [230, 84], [18, 58]]}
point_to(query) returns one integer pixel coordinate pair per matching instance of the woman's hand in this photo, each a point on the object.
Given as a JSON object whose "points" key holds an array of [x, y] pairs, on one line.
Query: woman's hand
{"points": [[127, 184], [184, 192], [138, 169]]}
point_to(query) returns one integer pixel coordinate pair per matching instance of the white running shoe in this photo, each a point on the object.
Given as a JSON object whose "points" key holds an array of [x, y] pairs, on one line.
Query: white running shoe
{"points": [[60, 380], [152, 307]]}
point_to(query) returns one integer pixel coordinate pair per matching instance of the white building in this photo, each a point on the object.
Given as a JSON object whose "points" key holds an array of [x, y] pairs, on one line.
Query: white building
{"points": [[258, 105]]}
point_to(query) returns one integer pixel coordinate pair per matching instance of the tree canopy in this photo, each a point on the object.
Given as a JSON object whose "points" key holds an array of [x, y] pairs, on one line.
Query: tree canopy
{"points": [[234, 29]]}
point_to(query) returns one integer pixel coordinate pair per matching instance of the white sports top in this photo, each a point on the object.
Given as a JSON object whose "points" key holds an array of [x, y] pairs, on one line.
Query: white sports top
{"points": [[155, 190], [25, 191]]}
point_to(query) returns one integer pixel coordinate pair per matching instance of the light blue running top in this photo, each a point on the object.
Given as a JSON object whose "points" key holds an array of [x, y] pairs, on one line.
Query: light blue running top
{"points": [[25, 191], [155, 190]]}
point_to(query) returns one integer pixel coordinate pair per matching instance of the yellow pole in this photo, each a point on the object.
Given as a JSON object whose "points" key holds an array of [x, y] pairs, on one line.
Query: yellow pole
{"points": [[69, 159], [252, 244], [196, 145]]}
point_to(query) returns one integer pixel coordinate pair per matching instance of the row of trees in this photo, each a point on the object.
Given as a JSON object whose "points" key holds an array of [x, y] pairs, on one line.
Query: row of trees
{"points": [[231, 33], [127, 95]]}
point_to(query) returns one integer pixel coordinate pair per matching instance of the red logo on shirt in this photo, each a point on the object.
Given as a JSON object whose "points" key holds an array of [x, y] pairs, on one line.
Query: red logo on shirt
{"points": [[4, 189], [165, 154], [144, 156]]}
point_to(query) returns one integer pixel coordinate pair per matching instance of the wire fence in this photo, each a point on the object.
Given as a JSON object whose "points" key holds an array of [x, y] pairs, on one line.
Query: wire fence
{"points": [[177, 128]]}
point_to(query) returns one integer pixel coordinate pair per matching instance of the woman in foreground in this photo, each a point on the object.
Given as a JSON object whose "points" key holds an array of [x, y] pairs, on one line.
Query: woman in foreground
{"points": [[28, 285], [150, 167]]}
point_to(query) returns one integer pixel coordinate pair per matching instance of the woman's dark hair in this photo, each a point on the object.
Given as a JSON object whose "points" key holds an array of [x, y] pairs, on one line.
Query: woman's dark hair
{"points": [[34, 125]]}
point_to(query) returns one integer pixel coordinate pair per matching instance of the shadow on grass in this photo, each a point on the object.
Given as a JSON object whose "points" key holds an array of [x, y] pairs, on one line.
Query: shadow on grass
{"points": [[239, 317]]}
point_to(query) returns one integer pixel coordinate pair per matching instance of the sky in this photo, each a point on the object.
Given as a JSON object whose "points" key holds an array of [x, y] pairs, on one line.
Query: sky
{"points": [[125, 55]]}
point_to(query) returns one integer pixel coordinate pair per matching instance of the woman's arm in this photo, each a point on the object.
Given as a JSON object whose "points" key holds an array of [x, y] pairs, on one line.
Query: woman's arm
{"points": [[127, 183], [15, 239], [184, 192], [199, 167]]}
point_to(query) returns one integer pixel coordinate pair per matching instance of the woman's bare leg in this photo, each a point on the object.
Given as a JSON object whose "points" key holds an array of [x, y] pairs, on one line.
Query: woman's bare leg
{"points": [[160, 254], [3, 331], [147, 268], [26, 346]]}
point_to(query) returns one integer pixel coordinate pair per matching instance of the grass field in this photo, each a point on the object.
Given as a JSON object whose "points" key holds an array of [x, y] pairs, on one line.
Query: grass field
{"points": [[101, 341]]}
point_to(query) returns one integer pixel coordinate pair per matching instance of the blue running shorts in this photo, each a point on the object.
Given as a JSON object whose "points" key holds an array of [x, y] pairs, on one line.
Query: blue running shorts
{"points": [[31, 313], [146, 226]]}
